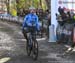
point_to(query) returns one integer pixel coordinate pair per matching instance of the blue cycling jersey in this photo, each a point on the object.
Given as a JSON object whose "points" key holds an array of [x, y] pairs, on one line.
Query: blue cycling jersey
{"points": [[28, 21]]}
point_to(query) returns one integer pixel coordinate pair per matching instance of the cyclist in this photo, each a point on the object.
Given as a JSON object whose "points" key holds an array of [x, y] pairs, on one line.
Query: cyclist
{"points": [[28, 22]]}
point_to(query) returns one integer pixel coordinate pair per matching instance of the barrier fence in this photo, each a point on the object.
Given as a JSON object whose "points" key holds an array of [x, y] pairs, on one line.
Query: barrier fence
{"points": [[13, 19]]}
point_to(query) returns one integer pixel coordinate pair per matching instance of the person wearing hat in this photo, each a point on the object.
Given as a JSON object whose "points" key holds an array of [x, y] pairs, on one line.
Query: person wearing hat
{"points": [[28, 19]]}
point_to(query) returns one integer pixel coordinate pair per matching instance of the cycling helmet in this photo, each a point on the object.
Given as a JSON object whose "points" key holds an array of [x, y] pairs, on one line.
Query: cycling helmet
{"points": [[32, 8]]}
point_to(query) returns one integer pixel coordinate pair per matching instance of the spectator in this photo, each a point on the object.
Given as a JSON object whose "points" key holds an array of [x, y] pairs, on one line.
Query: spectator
{"points": [[48, 15], [60, 10], [59, 19]]}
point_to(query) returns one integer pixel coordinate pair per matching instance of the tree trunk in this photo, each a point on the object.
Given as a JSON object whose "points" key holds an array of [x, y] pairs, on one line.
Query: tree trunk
{"points": [[8, 5], [48, 3], [41, 3]]}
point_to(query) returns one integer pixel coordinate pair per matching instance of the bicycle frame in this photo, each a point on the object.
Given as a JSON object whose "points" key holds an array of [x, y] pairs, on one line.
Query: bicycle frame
{"points": [[31, 34]]}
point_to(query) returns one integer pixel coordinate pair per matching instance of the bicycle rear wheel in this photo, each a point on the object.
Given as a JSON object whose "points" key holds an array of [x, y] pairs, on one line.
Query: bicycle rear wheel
{"points": [[35, 50]]}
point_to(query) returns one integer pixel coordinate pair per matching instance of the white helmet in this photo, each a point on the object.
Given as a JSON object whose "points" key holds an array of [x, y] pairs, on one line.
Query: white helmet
{"points": [[32, 8]]}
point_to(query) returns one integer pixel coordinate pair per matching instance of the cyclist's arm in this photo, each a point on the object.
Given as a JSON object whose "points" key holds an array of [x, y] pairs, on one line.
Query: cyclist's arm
{"points": [[23, 25], [24, 22]]}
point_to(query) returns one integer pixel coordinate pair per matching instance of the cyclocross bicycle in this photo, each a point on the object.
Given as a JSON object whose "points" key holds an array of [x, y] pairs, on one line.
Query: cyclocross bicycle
{"points": [[32, 44]]}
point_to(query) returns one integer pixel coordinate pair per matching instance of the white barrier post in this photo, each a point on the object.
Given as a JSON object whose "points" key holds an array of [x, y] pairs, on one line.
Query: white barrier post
{"points": [[52, 37], [52, 28]]}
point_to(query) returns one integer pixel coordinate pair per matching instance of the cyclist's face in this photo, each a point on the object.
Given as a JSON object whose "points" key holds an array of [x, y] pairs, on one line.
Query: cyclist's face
{"points": [[32, 11]]}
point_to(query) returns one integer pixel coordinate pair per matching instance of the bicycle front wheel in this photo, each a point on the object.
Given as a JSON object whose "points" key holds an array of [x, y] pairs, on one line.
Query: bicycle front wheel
{"points": [[28, 49], [35, 50]]}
